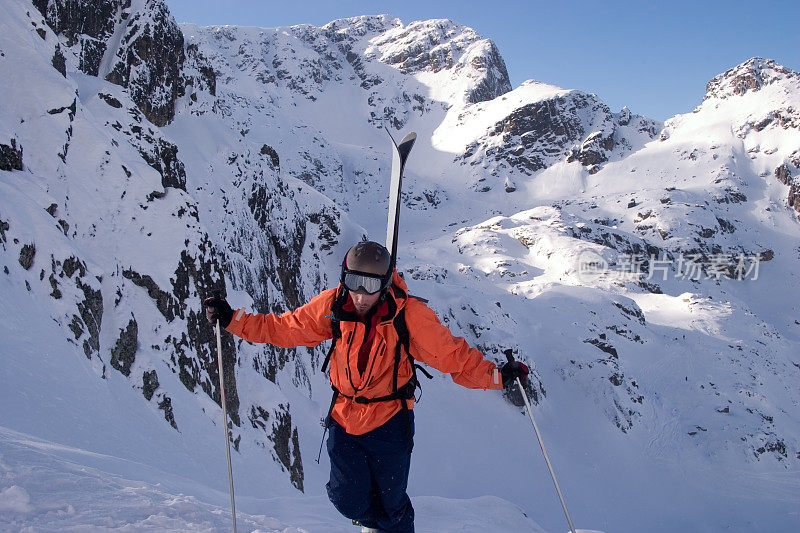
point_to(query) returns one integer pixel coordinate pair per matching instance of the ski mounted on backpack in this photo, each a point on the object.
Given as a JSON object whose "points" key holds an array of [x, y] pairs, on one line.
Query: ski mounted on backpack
{"points": [[399, 156], [405, 392]]}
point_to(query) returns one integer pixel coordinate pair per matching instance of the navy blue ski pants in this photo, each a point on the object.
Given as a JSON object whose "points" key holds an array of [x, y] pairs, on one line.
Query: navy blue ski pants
{"points": [[369, 475]]}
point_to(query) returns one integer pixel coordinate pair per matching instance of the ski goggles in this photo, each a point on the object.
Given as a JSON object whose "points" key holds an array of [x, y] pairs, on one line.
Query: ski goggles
{"points": [[364, 282]]}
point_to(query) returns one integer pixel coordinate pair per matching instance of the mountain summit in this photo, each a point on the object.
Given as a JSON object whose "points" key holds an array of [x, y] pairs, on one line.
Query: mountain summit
{"points": [[751, 76]]}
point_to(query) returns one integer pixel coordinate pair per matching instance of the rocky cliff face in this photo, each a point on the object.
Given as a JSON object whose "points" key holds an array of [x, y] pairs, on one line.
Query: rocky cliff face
{"points": [[136, 45], [781, 116], [85, 26], [131, 261], [536, 135], [436, 46], [538, 126]]}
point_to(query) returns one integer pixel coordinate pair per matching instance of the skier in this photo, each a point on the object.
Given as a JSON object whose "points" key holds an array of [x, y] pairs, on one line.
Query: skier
{"points": [[378, 330]]}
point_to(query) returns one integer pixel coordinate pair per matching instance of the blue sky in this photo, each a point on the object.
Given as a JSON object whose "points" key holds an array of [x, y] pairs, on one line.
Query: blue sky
{"points": [[653, 56]]}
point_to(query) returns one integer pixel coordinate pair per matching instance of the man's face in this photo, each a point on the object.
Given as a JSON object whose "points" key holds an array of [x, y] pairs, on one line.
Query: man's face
{"points": [[364, 302]]}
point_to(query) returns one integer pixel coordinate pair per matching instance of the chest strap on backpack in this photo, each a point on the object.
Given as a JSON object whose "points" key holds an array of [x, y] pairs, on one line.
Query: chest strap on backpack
{"points": [[406, 392]]}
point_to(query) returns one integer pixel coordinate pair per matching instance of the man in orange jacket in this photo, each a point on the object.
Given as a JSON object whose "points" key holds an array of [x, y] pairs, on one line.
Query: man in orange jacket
{"points": [[373, 376]]}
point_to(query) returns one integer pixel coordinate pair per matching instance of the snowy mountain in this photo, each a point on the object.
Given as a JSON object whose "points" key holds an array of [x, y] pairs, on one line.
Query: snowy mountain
{"points": [[647, 272]]}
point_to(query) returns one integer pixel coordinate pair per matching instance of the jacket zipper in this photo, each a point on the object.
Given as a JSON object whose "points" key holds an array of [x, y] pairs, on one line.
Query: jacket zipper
{"points": [[378, 353], [347, 359]]}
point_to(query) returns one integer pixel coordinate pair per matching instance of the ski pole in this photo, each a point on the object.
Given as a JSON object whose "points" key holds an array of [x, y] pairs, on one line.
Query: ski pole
{"points": [[541, 445], [225, 422]]}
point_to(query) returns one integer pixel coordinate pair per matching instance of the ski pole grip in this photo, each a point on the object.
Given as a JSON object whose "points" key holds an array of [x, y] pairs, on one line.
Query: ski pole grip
{"points": [[509, 355]]}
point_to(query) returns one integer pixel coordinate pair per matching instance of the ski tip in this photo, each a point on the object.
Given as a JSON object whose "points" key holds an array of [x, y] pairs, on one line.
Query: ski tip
{"points": [[411, 137]]}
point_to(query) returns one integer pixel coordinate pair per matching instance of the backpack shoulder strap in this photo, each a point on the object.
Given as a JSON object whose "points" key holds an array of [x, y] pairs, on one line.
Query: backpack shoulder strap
{"points": [[404, 339], [337, 333], [401, 328]]}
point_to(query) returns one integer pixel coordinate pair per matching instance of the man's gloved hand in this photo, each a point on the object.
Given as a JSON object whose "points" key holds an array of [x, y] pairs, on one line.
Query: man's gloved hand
{"points": [[218, 309], [513, 370]]}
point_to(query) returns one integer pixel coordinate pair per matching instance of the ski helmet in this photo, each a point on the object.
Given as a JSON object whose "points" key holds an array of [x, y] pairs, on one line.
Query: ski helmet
{"points": [[367, 268]]}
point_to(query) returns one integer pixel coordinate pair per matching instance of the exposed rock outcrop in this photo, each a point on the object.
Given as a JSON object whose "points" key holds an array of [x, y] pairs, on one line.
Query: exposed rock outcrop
{"points": [[788, 174], [284, 439], [10, 156], [123, 354], [26, 256], [536, 135]]}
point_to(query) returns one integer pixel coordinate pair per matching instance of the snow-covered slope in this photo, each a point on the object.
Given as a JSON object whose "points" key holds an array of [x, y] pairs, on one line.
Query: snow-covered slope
{"points": [[646, 271], [51, 487]]}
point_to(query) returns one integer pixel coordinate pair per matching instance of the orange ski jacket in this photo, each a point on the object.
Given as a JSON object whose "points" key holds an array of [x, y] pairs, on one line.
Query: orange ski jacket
{"points": [[430, 342]]}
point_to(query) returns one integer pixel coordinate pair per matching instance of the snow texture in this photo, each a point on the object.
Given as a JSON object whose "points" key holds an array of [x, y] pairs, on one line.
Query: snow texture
{"points": [[646, 272]]}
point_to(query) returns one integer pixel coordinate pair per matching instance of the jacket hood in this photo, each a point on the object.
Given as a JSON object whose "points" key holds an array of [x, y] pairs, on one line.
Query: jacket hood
{"points": [[399, 288]]}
